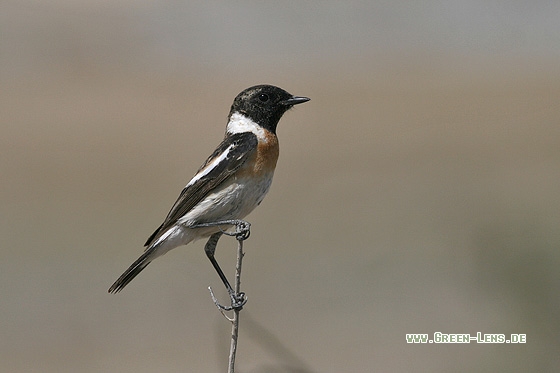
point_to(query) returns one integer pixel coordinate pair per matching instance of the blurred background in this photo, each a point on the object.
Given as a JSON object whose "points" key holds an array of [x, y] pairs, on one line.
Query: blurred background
{"points": [[418, 191]]}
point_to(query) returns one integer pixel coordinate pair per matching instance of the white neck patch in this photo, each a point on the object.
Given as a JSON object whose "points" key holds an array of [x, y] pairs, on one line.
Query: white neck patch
{"points": [[239, 123]]}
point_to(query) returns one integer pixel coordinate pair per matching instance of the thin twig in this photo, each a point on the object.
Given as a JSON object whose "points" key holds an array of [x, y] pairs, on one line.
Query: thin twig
{"points": [[238, 300], [219, 306], [235, 319]]}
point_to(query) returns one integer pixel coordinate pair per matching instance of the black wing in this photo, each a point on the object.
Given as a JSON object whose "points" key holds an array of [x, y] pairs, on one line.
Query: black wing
{"points": [[217, 168]]}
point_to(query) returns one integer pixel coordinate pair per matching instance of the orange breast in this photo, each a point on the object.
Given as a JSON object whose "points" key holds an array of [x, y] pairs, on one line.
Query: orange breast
{"points": [[263, 162], [267, 154]]}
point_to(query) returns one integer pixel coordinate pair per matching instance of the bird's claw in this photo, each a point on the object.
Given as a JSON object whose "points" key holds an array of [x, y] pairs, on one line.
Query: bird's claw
{"points": [[242, 230], [238, 301]]}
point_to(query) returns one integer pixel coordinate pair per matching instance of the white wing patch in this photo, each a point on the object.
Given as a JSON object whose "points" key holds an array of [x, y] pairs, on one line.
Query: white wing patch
{"points": [[210, 166], [239, 123]]}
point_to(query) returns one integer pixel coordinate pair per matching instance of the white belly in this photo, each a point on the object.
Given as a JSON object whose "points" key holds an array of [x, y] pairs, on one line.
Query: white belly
{"points": [[232, 201]]}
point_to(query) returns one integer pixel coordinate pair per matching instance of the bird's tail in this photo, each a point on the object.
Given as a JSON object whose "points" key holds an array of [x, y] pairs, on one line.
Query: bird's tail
{"points": [[132, 272]]}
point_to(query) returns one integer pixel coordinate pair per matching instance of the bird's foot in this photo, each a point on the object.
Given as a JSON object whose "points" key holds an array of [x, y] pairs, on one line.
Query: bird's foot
{"points": [[242, 230], [238, 300]]}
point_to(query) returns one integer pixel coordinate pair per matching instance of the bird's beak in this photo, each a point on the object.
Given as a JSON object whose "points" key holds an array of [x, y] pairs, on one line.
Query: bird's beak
{"points": [[294, 100]]}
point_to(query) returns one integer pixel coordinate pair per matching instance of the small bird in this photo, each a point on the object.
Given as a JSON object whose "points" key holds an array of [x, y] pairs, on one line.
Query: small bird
{"points": [[228, 186]]}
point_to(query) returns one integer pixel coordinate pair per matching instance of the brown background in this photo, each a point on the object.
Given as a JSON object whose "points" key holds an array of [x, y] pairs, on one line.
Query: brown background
{"points": [[418, 191]]}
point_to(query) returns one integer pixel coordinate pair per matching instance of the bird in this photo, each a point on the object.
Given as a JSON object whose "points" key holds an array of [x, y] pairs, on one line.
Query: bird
{"points": [[230, 184]]}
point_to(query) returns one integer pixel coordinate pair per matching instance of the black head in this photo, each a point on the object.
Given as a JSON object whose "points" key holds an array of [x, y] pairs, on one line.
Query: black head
{"points": [[265, 104]]}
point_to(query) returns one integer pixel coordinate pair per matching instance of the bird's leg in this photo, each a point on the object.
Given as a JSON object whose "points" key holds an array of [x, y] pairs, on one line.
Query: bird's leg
{"points": [[238, 300], [242, 227], [242, 232]]}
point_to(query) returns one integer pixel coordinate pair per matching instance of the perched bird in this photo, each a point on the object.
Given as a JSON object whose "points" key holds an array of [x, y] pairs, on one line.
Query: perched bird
{"points": [[228, 186]]}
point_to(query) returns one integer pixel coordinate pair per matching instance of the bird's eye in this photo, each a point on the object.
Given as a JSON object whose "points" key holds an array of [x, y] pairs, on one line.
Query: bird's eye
{"points": [[263, 97]]}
